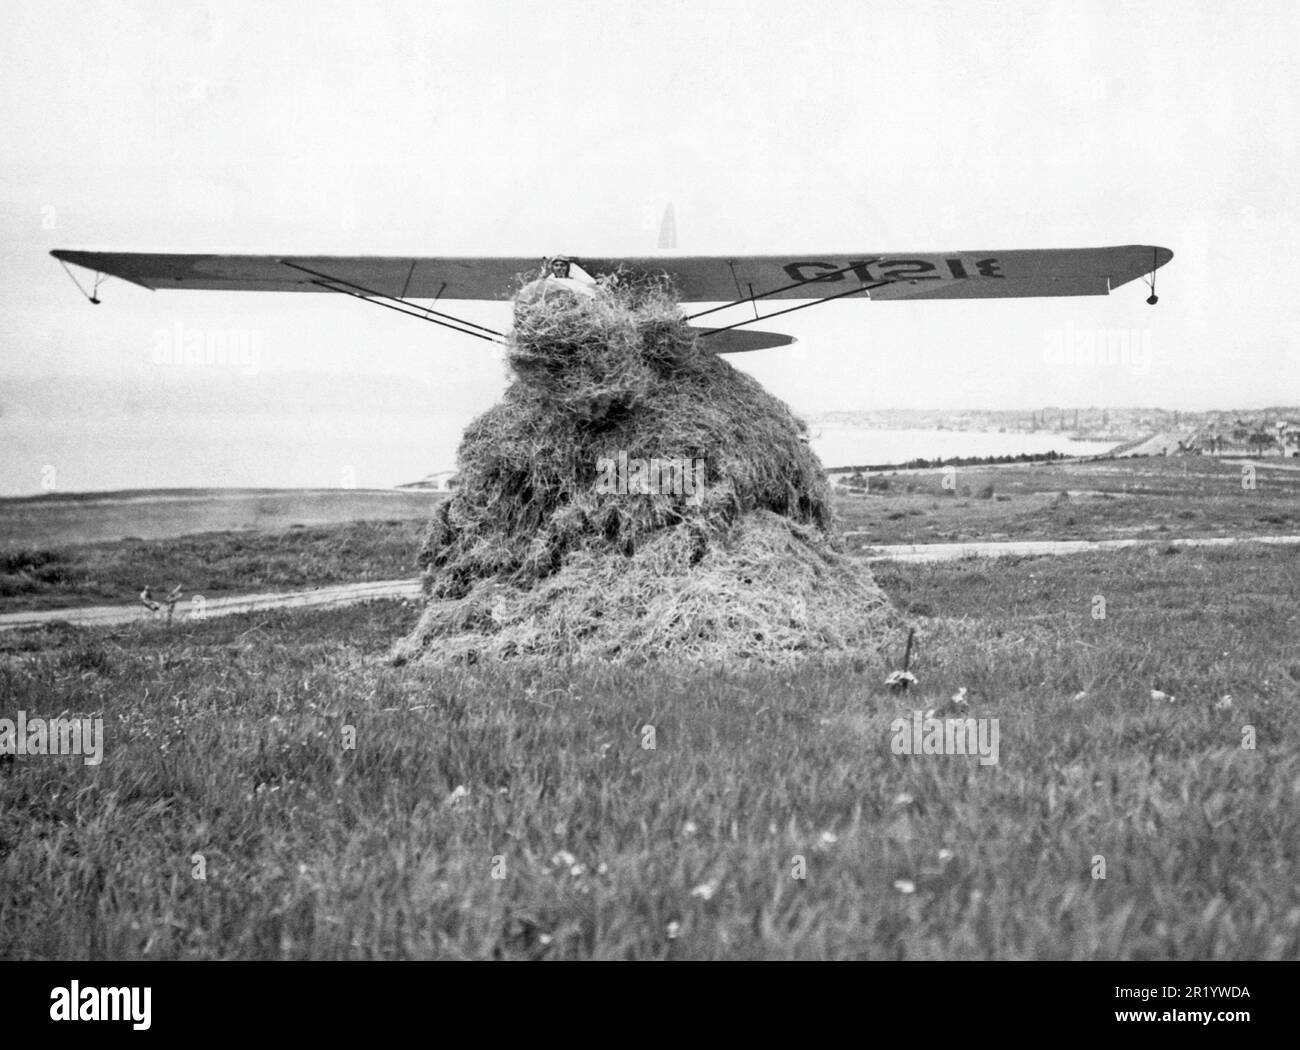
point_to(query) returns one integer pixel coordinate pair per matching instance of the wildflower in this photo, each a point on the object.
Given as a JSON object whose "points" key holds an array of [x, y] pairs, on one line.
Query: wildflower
{"points": [[705, 890]]}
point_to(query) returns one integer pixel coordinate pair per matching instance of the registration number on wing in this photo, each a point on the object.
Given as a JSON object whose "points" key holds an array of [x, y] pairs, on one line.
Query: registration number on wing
{"points": [[869, 271]]}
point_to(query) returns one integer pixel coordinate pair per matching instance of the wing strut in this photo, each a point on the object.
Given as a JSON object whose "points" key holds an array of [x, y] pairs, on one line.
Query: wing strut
{"points": [[399, 304], [93, 294], [402, 305], [790, 309]]}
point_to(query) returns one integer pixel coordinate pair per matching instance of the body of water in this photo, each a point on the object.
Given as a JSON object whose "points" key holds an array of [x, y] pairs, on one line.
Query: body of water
{"points": [[198, 450], [186, 450]]}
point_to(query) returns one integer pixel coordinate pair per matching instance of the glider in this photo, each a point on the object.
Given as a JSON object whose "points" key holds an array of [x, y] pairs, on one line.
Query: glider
{"points": [[400, 282]]}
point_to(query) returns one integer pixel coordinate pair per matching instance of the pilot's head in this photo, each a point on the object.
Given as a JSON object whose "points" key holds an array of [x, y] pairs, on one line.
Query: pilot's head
{"points": [[559, 266]]}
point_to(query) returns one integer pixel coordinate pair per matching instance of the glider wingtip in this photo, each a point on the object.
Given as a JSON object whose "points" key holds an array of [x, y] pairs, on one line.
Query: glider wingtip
{"points": [[72, 255]]}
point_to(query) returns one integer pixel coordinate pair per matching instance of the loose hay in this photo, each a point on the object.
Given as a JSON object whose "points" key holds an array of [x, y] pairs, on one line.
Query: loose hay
{"points": [[530, 559]]}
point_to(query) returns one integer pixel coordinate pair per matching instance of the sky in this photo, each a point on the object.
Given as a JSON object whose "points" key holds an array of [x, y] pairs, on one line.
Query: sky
{"points": [[501, 128]]}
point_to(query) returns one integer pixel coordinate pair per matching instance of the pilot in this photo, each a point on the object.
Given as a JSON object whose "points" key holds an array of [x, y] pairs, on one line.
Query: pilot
{"points": [[562, 270]]}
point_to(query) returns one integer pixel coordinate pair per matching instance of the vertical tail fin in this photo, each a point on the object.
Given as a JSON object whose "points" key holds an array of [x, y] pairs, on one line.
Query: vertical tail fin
{"points": [[668, 228]]}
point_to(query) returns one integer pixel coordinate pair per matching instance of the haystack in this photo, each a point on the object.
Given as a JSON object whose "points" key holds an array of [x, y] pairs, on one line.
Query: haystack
{"points": [[635, 497]]}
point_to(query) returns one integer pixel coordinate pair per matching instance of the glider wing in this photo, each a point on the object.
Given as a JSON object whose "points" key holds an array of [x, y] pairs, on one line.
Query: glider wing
{"points": [[698, 278]]}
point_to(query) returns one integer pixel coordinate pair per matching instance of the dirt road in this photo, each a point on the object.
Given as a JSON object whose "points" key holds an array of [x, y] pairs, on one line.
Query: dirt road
{"points": [[1031, 548], [197, 608]]}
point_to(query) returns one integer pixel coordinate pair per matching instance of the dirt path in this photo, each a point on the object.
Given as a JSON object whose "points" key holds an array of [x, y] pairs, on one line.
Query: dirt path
{"points": [[190, 609], [952, 551], [352, 593]]}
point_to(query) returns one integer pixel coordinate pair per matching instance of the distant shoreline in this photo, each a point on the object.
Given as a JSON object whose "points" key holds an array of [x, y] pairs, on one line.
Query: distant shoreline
{"points": [[971, 461]]}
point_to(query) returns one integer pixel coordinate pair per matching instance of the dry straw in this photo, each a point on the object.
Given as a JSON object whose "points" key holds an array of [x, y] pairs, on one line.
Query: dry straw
{"points": [[530, 560]]}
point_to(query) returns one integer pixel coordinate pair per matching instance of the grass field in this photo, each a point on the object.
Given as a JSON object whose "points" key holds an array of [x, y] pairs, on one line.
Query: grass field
{"points": [[1150, 498], [1116, 499], [211, 564], [225, 747], [64, 519]]}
